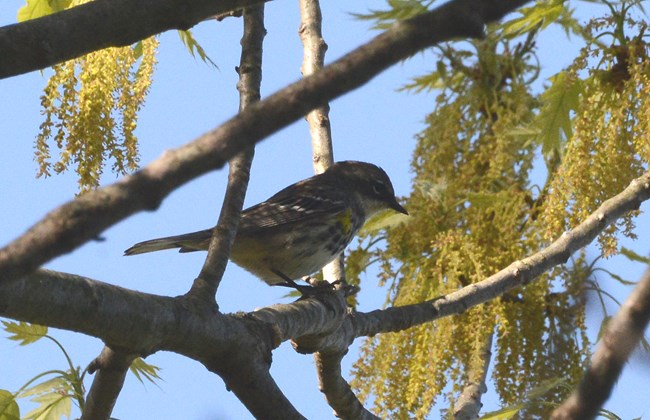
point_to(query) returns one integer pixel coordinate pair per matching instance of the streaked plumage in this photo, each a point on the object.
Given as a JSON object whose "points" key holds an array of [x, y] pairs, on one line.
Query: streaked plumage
{"points": [[301, 228]]}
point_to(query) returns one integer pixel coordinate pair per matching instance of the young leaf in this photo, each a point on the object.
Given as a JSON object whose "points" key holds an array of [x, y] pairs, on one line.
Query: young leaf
{"points": [[503, 414], [23, 332], [51, 407], [8, 408], [383, 220], [542, 14], [194, 47], [142, 369], [55, 384], [554, 119], [36, 8]]}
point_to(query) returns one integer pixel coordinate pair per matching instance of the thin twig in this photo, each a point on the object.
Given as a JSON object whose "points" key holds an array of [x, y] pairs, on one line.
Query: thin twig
{"points": [[250, 80]]}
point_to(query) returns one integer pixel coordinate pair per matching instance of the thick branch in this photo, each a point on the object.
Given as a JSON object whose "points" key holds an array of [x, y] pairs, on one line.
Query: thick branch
{"points": [[306, 318], [621, 337], [78, 221], [236, 347], [146, 323], [111, 367], [254, 386], [43, 42]]}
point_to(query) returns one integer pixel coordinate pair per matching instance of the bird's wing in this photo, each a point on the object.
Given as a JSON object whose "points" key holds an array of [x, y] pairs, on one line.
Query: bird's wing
{"points": [[293, 203]]}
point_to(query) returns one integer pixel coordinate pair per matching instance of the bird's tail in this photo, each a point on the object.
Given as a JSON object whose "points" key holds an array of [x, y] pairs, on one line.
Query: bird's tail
{"points": [[188, 242]]}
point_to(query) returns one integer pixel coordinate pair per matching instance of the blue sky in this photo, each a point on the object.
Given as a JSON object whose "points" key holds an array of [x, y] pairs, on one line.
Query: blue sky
{"points": [[374, 123]]}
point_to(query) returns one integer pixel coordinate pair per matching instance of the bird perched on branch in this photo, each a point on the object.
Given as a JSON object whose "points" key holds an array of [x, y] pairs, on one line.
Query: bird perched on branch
{"points": [[301, 228]]}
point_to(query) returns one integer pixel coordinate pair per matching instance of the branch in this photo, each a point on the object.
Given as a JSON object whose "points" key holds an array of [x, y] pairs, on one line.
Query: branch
{"points": [[43, 42], [621, 337], [84, 218], [516, 274], [314, 48], [254, 386], [469, 403], [237, 347], [147, 323], [337, 391], [320, 130], [112, 367], [250, 80]]}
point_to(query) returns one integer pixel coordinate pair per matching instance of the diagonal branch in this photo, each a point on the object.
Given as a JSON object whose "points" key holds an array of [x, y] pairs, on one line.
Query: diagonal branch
{"points": [[250, 80], [361, 324], [43, 42], [111, 365], [516, 274], [84, 218], [621, 337]]}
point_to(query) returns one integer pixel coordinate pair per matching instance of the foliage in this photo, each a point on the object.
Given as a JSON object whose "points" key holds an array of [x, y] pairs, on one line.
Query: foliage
{"points": [[610, 144], [473, 209], [91, 105], [53, 391], [194, 48]]}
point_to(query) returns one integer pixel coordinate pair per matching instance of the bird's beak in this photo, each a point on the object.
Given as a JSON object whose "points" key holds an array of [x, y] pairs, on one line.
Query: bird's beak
{"points": [[395, 205]]}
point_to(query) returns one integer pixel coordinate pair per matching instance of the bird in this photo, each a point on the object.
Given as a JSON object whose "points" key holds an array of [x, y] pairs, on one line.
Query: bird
{"points": [[300, 229]]}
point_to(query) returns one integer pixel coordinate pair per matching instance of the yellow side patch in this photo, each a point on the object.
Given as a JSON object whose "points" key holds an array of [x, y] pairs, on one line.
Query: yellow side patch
{"points": [[345, 219]]}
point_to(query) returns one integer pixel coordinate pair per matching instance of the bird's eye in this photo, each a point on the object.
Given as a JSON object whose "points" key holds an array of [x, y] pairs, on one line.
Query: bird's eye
{"points": [[380, 188]]}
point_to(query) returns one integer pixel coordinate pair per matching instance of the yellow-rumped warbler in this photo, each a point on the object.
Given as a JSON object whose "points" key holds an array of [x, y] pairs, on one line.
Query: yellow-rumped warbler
{"points": [[301, 228]]}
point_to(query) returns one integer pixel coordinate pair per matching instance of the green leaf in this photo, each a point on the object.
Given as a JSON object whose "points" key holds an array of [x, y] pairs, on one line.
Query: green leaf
{"points": [[51, 407], [142, 369], [504, 413], [24, 332], [633, 256], [554, 119], [37, 8], [55, 384], [399, 10], [542, 14], [194, 47], [384, 220], [137, 49], [9, 410]]}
